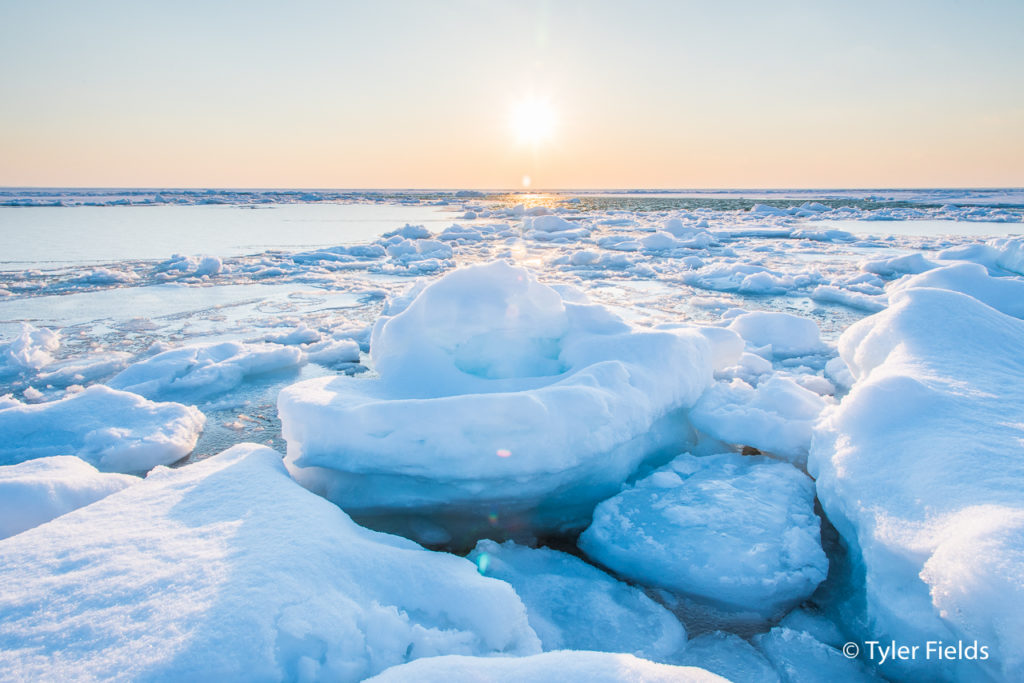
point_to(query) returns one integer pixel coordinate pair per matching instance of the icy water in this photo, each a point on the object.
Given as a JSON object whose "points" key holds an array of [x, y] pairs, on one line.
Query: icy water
{"points": [[60, 236]]}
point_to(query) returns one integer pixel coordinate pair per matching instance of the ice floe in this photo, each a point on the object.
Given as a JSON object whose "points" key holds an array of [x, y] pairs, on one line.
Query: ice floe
{"points": [[734, 537], [115, 431], [574, 606], [495, 396]]}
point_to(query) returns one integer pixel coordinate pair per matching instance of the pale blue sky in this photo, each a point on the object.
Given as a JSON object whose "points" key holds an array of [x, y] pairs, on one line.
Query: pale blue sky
{"points": [[418, 94]]}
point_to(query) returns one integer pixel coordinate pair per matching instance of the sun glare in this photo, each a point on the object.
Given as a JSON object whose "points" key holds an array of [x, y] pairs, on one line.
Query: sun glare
{"points": [[533, 121]]}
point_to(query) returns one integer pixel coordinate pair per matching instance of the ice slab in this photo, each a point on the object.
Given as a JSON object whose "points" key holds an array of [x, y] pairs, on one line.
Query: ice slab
{"points": [[228, 570], [575, 606], [777, 416], [115, 431], [200, 370], [567, 666], [735, 533], [494, 397]]}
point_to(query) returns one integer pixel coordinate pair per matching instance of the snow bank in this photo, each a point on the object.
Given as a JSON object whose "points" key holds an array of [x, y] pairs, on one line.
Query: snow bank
{"points": [[227, 570], [788, 335], [574, 606], [204, 369], [568, 666], [495, 396], [1004, 294], [36, 491], [116, 431], [919, 469], [735, 533], [776, 417]]}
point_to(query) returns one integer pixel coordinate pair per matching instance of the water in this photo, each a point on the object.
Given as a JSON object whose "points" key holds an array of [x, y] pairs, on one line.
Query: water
{"points": [[924, 227], [62, 236]]}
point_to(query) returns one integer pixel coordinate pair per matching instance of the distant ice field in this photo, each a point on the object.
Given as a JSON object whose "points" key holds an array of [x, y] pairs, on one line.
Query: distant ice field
{"points": [[138, 272]]}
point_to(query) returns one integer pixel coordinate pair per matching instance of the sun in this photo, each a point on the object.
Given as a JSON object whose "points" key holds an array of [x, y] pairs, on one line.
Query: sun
{"points": [[533, 121]]}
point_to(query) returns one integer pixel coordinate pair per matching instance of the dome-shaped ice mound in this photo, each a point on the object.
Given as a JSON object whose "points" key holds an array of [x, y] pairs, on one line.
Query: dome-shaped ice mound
{"points": [[499, 409]]}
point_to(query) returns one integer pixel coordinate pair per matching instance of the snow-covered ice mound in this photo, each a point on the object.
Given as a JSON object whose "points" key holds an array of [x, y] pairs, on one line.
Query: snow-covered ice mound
{"points": [[30, 350], [1005, 294], [920, 470], [36, 491], [116, 431], [775, 417], [575, 606], [781, 334], [203, 369], [499, 408], [735, 534], [566, 666], [228, 570]]}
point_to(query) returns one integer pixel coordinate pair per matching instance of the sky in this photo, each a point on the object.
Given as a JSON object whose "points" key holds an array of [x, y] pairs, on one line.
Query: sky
{"points": [[421, 94]]}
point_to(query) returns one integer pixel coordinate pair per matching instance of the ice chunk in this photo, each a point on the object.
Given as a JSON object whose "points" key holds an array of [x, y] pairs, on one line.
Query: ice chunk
{"points": [[203, 369], [334, 352], [1011, 253], [30, 350], [788, 335], [495, 395], [303, 334], [116, 431], [549, 224], [227, 570], [82, 369], [568, 666], [574, 606], [736, 533], [919, 469], [36, 491], [800, 658], [899, 265], [838, 295], [728, 655], [776, 417]]}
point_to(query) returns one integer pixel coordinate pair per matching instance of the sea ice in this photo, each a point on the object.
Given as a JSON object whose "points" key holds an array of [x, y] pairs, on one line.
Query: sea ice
{"points": [[728, 655], [575, 606], [36, 491], [788, 335], [919, 469], [799, 657], [115, 431], [227, 570], [777, 416], [201, 370], [567, 666], [31, 350], [1004, 294], [495, 396], [735, 533]]}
